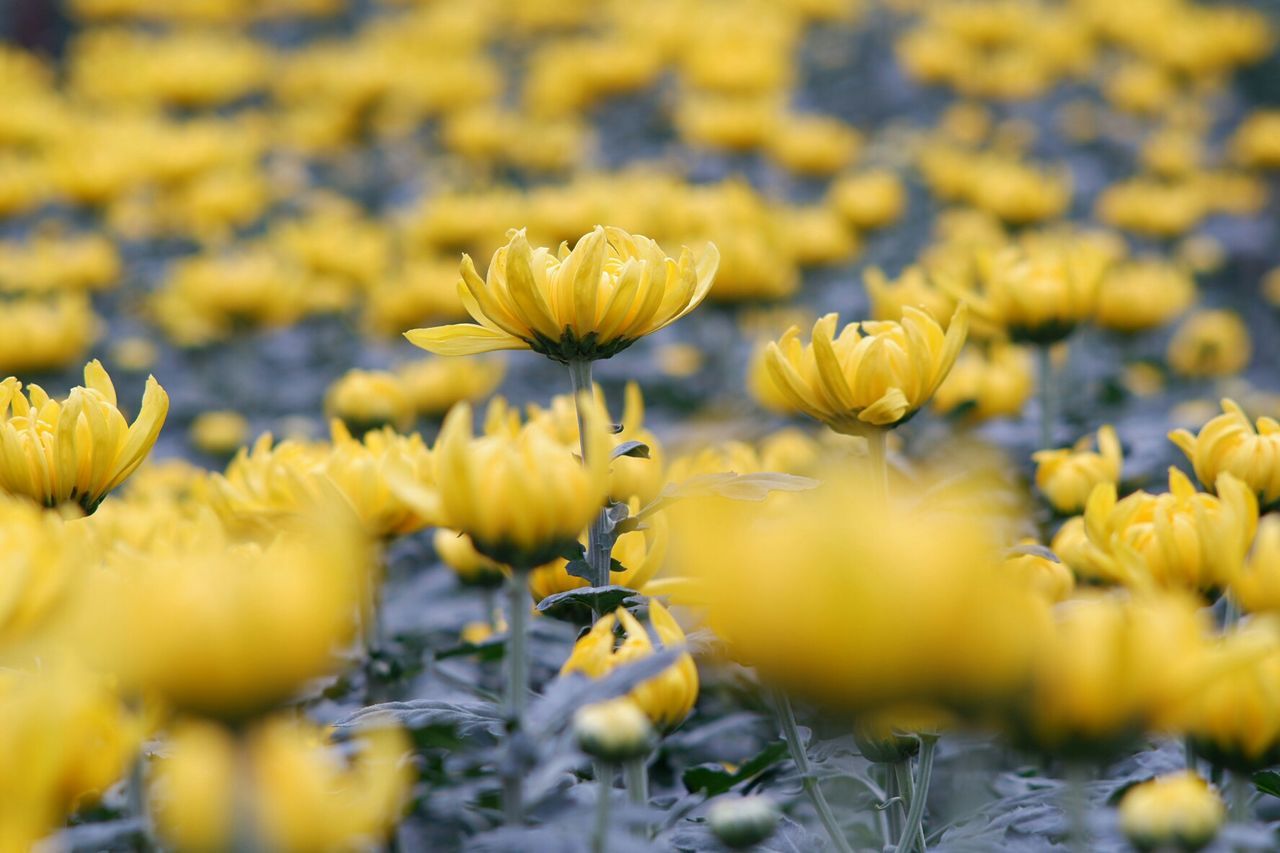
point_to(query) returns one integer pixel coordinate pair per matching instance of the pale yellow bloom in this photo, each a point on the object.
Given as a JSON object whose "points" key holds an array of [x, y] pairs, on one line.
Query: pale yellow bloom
{"points": [[76, 450], [590, 302], [1210, 343], [873, 374], [368, 399], [1257, 587], [1178, 811], [1067, 476], [1231, 444]]}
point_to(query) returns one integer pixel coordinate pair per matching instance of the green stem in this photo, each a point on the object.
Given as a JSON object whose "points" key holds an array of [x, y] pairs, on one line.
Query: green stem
{"points": [[913, 832], [1044, 364], [600, 835], [517, 686], [599, 548], [1189, 754], [1076, 805], [1240, 793], [791, 734], [1231, 612], [877, 457], [638, 781]]}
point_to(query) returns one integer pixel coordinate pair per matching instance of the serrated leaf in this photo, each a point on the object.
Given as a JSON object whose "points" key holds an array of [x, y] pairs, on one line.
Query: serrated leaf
{"points": [[466, 718], [634, 449], [580, 569], [577, 605], [713, 779]]}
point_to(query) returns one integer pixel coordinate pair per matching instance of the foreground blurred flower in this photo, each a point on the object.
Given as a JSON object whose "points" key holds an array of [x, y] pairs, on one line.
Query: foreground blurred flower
{"points": [[76, 450], [858, 571], [1234, 719], [40, 570], [740, 823], [1257, 587], [282, 785], [66, 739], [874, 374], [188, 625], [1067, 476], [587, 303], [668, 697], [1179, 811], [1182, 539], [1230, 444]]}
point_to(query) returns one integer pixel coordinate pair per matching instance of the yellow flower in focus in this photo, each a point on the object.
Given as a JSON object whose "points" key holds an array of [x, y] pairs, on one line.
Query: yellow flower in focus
{"points": [[66, 740], [435, 385], [1210, 343], [472, 568], [587, 303], [1257, 587], [369, 399], [640, 552], [307, 794], [987, 382], [874, 374], [1109, 670], [1142, 295], [1231, 444], [1178, 811], [76, 450], [1066, 477], [858, 570], [668, 697], [1181, 539], [190, 625], [523, 498]]}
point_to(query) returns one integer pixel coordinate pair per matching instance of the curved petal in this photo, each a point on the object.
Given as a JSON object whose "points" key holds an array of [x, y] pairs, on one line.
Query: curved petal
{"points": [[463, 339]]}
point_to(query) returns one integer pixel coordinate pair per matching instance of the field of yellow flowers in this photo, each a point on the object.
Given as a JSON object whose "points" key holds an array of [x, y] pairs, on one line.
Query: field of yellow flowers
{"points": [[627, 425]]}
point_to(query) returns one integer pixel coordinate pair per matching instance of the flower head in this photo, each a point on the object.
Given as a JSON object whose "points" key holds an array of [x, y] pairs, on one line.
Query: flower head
{"points": [[1179, 811], [587, 303], [1230, 444], [873, 374], [1067, 476], [76, 450]]}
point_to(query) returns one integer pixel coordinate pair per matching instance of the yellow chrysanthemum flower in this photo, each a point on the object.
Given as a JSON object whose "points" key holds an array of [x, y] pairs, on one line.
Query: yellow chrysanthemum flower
{"points": [[582, 304], [1178, 811], [874, 374], [76, 450], [1230, 444], [1066, 476]]}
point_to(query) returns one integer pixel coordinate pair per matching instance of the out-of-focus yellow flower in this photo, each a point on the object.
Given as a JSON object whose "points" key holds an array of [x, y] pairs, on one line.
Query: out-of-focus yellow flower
{"points": [[1142, 295], [614, 731], [1066, 477], [1046, 575], [362, 471], [1234, 719], [668, 697], [1181, 539], [435, 385], [306, 793], [1071, 544], [66, 740], [46, 332], [912, 287], [858, 570], [471, 567], [813, 144], [1156, 208], [1038, 292], [548, 496], [592, 302], [641, 554], [869, 199], [39, 572], [817, 235], [1017, 193], [1140, 87], [857, 381], [77, 450], [219, 433], [1173, 152], [987, 382], [369, 399], [1257, 587], [188, 625], [1257, 140], [1178, 811], [1231, 444], [421, 289], [1210, 343], [1110, 668]]}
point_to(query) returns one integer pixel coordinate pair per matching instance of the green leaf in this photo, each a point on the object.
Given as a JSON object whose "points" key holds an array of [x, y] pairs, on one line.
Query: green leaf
{"points": [[635, 449], [580, 569], [714, 779], [577, 605], [573, 552], [1267, 782], [488, 650]]}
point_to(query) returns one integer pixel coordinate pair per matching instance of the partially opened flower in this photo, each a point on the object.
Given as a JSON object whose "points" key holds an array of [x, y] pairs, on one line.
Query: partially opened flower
{"points": [[1066, 476], [587, 303], [76, 450], [874, 374], [1231, 444]]}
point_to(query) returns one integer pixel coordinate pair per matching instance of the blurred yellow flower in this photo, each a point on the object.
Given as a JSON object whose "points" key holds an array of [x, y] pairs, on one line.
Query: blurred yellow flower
{"points": [[668, 697], [913, 288], [369, 399], [869, 199], [1178, 811], [1142, 295], [1210, 343], [219, 433], [1234, 719], [472, 568], [77, 450], [306, 794], [987, 382], [1231, 444], [873, 374], [435, 385], [590, 302], [1066, 477], [1257, 587]]}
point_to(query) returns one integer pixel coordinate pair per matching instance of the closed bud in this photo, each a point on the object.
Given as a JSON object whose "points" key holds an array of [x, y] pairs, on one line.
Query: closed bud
{"points": [[743, 822], [1179, 811], [615, 731]]}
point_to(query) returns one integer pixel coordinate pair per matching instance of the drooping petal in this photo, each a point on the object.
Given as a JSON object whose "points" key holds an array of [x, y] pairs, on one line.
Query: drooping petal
{"points": [[463, 339]]}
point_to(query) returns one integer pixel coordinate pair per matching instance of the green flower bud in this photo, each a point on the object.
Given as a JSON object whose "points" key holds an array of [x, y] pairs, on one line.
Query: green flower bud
{"points": [[615, 731], [743, 822]]}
